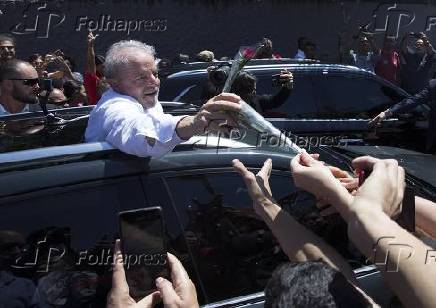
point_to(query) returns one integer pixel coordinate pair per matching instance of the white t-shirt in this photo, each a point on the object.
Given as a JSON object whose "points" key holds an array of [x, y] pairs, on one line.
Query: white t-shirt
{"points": [[123, 122]]}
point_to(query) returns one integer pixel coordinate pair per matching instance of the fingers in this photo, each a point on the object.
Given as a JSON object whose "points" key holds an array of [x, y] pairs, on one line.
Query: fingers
{"points": [[221, 105], [265, 172], [178, 272], [364, 163], [167, 292], [227, 97], [296, 163], [338, 173], [150, 300], [249, 180], [119, 281], [315, 156], [307, 160]]}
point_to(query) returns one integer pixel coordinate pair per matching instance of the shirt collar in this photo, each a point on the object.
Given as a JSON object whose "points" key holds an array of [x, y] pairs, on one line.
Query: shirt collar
{"points": [[3, 111]]}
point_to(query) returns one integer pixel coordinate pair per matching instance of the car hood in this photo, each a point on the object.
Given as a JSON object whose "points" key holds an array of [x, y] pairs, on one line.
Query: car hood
{"points": [[419, 165]]}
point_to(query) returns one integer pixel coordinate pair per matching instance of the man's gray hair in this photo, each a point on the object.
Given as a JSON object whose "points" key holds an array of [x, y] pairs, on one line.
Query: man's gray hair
{"points": [[122, 52]]}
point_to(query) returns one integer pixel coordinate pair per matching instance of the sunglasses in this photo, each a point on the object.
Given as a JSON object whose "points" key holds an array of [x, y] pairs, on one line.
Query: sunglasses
{"points": [[27, 81]]}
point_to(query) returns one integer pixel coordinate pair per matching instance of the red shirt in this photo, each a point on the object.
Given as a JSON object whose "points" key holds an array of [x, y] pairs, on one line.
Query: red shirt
{"points": [[388, 67], [90, 82]]}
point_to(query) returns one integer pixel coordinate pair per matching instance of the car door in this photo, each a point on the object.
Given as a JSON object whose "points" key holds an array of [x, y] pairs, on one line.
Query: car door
{"points": [[57, 241], [233, 250]]}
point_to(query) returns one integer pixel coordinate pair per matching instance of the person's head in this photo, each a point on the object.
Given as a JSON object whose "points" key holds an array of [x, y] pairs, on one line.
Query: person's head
{"points": [[99, 65], [364, 46], [57, 97], [419, 45], [11, 247], [19, 81], [266, 52], [311, 284], [36, 60], [130, 69], [244, 86], [302, 40], [205, 56], [75, 93], [389, 43], [7, 47], [310, 50]]}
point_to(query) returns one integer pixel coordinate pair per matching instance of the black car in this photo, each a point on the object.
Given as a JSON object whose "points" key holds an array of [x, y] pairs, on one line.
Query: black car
{"points": [[59, 206], [328, 99]]}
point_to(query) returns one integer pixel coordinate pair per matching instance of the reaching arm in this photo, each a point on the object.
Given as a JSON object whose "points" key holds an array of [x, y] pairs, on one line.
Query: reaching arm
{"points": [[425, 215], [298, 243], [90, 54], [400, 257], [407, 104]]}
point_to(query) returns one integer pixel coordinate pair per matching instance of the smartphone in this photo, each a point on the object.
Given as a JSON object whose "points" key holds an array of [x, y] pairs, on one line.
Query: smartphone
{"points": [[46, 84], [144, 249]]}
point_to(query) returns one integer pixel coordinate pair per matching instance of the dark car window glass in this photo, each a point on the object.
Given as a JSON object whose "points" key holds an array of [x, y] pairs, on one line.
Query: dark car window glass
{"points": [[62, 243], [189, 89], [233, 249], [301, 102], [352, 97]]}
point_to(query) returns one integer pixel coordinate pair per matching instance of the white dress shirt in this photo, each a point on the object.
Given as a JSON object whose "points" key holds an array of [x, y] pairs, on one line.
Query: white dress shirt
{"points": [[123, 122]]}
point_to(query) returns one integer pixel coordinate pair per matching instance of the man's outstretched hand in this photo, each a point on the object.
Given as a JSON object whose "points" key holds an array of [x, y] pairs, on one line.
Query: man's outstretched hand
{"points": [[257, 185]]}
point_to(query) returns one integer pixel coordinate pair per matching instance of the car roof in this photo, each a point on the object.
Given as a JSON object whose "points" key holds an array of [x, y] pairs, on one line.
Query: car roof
{"points": [[293, 66]]}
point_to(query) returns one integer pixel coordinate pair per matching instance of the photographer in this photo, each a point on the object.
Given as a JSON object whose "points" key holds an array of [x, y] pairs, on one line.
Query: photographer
{"points": [[245, 86], [417, 57]]}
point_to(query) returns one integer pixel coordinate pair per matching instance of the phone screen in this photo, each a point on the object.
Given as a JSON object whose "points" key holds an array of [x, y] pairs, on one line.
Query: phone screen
{"points": [[144, 251]]}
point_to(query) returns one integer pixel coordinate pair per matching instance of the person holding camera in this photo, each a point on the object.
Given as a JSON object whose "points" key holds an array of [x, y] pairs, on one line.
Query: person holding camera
{"points": [[245, 86], [417, 58]]}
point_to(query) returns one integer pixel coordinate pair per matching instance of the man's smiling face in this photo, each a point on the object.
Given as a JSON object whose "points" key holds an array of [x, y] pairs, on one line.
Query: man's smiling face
{"points": [[139, 79]]}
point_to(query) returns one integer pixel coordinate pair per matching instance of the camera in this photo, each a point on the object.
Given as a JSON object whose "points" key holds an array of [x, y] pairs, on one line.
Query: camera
{"points": [[46, 84], [218, 75]]}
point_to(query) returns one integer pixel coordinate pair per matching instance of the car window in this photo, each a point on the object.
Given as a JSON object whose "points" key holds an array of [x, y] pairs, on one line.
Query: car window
{"points": [[189, 89], [352, 97], [233, 249], [60, 243], [300, 103]]}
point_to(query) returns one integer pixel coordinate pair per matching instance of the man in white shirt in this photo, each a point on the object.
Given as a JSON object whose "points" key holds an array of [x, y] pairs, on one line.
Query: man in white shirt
{"points": [[129, 115], [18, 86]]}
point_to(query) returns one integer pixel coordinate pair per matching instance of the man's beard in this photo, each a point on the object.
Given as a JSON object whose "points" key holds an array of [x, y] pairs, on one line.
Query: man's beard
{"points": [[24, 99]]}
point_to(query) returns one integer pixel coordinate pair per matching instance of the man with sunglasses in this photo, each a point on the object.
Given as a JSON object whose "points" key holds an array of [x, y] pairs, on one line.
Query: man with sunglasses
{"points": [[18, 86]]}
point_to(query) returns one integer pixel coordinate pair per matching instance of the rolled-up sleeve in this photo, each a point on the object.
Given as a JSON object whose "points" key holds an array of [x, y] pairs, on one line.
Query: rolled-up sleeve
{"points": [[129, 129]]}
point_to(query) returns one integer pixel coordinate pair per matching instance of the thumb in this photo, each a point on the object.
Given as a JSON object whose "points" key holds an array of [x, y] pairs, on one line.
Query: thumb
{"points": [[166, 289]]}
